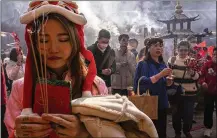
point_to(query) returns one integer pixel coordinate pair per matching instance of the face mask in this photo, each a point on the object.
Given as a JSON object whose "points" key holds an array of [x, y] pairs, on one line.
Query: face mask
{"points": [[103, 46]]}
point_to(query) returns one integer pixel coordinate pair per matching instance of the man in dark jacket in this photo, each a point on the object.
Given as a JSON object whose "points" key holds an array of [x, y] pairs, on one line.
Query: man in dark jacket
{"points": [[104, 57]]}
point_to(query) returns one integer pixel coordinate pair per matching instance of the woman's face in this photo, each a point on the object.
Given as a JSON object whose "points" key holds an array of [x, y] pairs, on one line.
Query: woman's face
{"points": [[156, 49], [183, 51], [54, 41]]}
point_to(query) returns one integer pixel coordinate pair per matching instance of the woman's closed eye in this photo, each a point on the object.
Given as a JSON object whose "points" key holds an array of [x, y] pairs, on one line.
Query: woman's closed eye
{"points": [[63, 39]]}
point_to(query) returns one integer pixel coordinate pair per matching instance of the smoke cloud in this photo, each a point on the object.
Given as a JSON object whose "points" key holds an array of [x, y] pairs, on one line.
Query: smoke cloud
{"points": [[119, 17]]}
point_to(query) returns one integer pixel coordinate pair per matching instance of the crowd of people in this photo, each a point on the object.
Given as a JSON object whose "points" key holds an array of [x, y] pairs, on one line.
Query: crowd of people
{"points": [[175, 82], [176, 75]]}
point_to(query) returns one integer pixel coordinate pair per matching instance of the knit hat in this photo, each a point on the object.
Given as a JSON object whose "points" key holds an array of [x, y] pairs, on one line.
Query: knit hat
{"points": [[69, 10]]}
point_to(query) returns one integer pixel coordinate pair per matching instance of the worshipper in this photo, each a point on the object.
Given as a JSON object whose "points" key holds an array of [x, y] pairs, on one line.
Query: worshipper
{"points": [[154, 71], [125, 67], [56, 73], [186, 77], [209, 85], [104, 57], [54, 42]]}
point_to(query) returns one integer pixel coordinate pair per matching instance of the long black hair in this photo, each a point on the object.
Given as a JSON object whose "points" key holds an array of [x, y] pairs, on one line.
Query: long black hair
{"points": [[14, 53], [151, 41]]}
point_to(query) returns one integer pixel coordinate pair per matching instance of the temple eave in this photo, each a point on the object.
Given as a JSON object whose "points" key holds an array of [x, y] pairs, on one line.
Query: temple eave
{"points": [[171, 35], [176, 20]]}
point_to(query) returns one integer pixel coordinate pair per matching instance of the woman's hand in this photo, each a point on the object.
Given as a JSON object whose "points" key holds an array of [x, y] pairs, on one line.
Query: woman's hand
{"points": [[191, 72], [163, 73], [205, 86], [67, 125], [33, 126], [106, 72], [169, 81], [166, 72]]}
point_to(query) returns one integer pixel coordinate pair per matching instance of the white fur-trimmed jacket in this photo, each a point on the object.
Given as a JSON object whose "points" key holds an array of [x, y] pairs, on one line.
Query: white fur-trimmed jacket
{"points": [[14, 72]]}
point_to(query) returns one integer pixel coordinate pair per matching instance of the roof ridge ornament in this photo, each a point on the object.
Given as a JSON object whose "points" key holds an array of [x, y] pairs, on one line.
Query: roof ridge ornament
{"points": [[178, 8]]}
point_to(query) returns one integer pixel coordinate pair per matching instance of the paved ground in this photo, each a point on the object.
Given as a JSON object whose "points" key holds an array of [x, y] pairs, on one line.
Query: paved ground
{"points": [[198, 128]]}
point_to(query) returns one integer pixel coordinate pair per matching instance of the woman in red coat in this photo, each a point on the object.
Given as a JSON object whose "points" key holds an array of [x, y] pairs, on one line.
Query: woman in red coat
{"points": [[209, 74]]}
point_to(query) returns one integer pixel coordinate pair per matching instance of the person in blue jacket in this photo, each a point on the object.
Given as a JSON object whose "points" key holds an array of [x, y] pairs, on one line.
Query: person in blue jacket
{"points": [[154, 71]]}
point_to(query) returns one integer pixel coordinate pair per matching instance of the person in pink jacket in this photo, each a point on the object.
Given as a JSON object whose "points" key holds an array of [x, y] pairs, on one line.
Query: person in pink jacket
{"points": [[57, 74], [4, 132]]}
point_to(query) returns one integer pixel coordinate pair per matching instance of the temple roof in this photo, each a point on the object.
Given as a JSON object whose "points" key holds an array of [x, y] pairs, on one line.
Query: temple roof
{"points": [[179, 16]]}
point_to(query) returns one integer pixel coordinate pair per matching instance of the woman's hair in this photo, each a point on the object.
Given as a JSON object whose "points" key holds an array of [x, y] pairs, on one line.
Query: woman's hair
{"points": [[14, 53], [146, 41], [141, 53], [75, 64], [151, 41], [184, 43]]}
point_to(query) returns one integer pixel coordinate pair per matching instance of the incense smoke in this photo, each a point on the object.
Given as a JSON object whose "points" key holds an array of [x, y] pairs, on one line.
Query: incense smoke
{"points": [[118, 17]]}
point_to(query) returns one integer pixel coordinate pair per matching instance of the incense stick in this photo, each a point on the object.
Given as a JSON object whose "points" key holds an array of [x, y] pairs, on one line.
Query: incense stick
{"points": [[36, 65]]}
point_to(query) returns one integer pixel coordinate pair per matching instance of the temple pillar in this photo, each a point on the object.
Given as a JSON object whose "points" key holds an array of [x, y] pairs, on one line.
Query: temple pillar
{"points": [[189, 25], [168, 26], [181, 26], [174, 26]]}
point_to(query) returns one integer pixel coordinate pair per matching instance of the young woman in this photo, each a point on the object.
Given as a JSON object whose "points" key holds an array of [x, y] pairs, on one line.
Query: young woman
{"points": [[154, 71], [209, 73], [185, 76], [55, 40]]}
